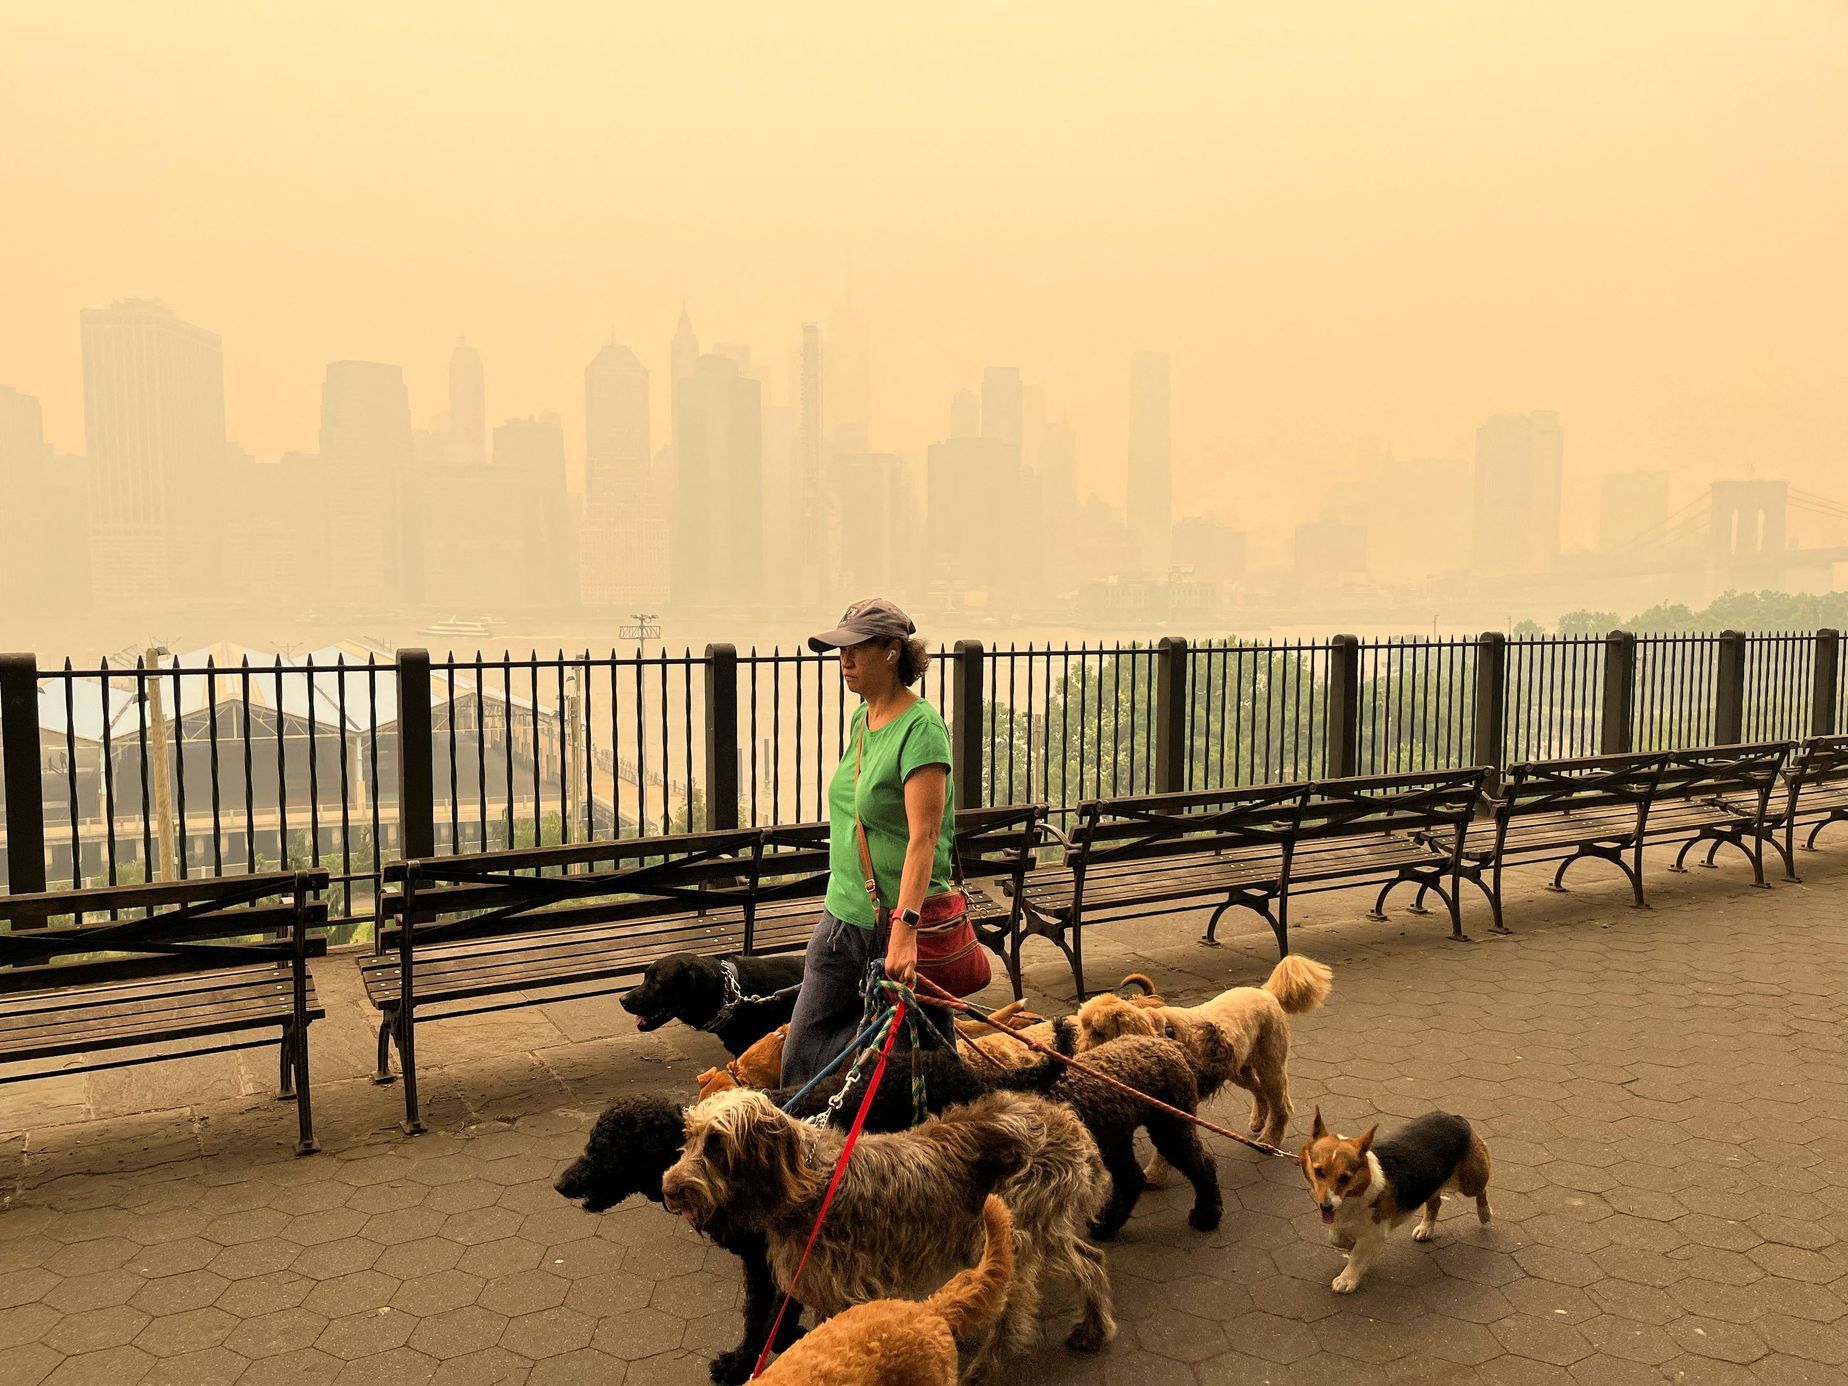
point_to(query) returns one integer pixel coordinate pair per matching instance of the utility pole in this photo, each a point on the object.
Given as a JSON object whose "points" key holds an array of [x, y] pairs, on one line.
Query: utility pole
{"points": [[163, 787]]}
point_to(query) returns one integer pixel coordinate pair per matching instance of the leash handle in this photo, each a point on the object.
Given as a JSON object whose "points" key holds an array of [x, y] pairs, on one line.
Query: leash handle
{"points": [[840, 1168]]}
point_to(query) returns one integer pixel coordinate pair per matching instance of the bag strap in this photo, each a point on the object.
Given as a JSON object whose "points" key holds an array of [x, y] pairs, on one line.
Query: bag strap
{"points": [[859, 828]]}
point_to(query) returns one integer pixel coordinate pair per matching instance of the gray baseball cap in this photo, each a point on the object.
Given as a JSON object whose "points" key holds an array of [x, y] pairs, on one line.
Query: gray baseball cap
{"points": [[873, 618]]}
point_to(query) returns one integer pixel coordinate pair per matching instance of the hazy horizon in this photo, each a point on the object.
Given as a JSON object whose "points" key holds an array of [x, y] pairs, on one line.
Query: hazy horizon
{"points": [[1355, 229]]}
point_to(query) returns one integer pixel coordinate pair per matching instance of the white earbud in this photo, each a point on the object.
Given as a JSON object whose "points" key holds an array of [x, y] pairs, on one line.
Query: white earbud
{"points": [[891, 656]]}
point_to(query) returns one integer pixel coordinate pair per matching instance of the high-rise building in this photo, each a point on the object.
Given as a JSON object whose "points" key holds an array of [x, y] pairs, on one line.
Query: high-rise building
{"points": [[965, 415], [1151, 465], [366, 416], [623, 553], [868, 495], [154, 425], [22, 430], [365, 464], [716, 547], [1519, 478], [1632, 509], [973, 516], [618, 441], [1003, 404], [1058, 478], [683, 359], [468, 406], [533, 512]]}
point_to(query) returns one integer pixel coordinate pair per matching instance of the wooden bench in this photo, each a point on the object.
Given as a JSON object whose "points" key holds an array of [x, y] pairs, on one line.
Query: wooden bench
{"points": [[1720, 796], [1249, 848], [1815, 794], [202, 964], [493, 931], [994, 848], [1609, 808]]}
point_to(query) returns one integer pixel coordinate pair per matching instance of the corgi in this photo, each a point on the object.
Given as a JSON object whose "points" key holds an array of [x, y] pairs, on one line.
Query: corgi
{"points": [[1366, 1188]]}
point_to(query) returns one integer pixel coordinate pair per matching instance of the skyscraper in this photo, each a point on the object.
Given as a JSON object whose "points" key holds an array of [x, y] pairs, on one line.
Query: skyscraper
{"points": [[366, 416], [468, 406], [716, 546], [1151, 466], [965, 415], [1519, 477], [683, 359], [154, 425], [22, 430], [1003, 404], [973, 516], [365, 463], [618, 441], [623, 558]]}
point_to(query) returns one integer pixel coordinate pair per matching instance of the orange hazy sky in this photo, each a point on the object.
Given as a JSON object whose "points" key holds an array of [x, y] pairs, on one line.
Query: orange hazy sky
{"points": [[1355, 225]]}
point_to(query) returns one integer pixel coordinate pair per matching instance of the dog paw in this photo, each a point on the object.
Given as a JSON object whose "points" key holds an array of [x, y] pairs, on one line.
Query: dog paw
{"points": [[1103, 1231], [1203, 1219], [1155, 1176], [1423, 1232], [1345, 1284], [1089, 1337], [732, 1368]]}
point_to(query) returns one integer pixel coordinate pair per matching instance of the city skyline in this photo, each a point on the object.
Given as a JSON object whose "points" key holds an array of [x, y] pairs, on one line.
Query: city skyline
{"points": [[1342, 223]]}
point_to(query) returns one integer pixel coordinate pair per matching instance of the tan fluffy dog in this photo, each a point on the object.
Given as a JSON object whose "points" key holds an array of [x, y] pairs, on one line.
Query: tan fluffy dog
{"points": [[1255, 1023], [1135, 990], [901, 1342]]}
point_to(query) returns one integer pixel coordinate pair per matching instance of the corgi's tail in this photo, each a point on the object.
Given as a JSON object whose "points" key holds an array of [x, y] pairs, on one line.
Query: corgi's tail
{"points": [[975, 1297], [1300, 984], [1143, 984]]}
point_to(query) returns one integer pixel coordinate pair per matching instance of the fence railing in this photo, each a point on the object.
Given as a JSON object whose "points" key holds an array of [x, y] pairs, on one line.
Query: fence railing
{"points": [[117, 773]]}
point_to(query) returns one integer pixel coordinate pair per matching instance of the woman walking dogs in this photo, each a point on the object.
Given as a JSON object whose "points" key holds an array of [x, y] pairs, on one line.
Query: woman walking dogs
{"points": [[895, 780]]}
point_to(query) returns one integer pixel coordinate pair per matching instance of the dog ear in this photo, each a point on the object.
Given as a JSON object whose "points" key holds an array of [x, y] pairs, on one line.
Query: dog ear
{"points": [[1317, 1131], [1365, 1143]]}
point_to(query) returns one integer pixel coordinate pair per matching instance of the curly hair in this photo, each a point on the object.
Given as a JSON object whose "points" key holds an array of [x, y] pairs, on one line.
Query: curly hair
{"points": [[913, 660]]}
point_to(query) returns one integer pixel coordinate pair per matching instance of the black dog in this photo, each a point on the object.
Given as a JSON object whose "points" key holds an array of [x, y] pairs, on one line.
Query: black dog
{"points": [[638, 1138], [691, 988]]}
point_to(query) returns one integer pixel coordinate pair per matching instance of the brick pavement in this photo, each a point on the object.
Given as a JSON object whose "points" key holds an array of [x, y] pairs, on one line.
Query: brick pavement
{"points": [[1663, 1093]]}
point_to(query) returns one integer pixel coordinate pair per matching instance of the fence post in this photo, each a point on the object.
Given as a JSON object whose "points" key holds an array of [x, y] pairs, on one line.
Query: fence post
{"points": [[1826, 672], [1171, 709], [416, 777], [1617, 733], [966, 716], [25, 791], [1492, 703], [721, 736], [1729, 691], [1343, 706]]}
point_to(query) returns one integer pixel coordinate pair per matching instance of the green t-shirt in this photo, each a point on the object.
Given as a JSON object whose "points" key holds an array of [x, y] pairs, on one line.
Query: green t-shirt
{"points": [[913, 739]]}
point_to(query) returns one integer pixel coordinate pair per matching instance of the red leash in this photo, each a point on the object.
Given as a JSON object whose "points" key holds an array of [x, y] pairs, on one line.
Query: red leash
{"points": [[840, 1168]]}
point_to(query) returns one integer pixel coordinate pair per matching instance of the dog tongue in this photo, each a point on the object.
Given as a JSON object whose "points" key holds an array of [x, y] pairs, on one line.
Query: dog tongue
{"points": [[1328, 1214]]}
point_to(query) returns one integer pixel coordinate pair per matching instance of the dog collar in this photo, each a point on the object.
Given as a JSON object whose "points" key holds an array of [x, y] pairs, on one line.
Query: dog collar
{"points": [[734, 995]]}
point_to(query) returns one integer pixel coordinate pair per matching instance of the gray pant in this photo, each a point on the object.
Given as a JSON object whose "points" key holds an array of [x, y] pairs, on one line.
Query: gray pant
{"points": [[831, 1004]]}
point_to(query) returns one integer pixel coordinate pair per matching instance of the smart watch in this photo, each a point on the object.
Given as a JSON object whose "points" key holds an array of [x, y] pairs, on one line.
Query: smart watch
{"points": [[911, 917]]}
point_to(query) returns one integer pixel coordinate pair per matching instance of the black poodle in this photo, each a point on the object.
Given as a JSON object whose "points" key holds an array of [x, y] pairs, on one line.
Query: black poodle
{"points": [[690, 988], [638, 1138]]}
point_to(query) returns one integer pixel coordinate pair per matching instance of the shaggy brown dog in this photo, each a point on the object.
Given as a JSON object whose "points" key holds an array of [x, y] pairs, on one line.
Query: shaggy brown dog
{"points": [[907, 1214], [1136, 989], [900, 1342], [1255, 1022], [1164, 1070]]}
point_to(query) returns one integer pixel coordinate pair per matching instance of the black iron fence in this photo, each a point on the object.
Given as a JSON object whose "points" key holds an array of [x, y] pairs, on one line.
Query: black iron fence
{"points": [[205, 767]]}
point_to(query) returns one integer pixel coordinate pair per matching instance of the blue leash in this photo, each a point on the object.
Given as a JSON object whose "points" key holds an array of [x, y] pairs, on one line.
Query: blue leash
{"points": [[853, 1047]]}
